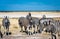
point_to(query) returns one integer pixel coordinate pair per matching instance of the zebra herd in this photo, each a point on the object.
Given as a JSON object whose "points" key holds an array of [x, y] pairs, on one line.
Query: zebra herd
{"points": [[43, 24]]}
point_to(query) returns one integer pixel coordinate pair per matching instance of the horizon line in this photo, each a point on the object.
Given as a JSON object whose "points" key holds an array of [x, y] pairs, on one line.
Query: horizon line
{"points": [[30, 11]]}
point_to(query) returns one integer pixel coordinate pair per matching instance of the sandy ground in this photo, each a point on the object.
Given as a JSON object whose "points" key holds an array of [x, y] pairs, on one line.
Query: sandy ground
{"points": [[35, 14], [24, 36], [36, 36]]}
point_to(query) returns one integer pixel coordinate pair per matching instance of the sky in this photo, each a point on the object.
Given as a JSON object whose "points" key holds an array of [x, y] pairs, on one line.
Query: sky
{"points": [[17, 5]]}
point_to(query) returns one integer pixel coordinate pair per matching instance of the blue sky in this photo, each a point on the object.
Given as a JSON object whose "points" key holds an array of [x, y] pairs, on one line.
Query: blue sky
{"points": [[16, 5]]}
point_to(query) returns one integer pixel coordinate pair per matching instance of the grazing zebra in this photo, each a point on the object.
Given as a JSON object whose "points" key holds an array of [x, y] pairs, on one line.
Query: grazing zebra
{"points": [[25, 22], [49, 25]]}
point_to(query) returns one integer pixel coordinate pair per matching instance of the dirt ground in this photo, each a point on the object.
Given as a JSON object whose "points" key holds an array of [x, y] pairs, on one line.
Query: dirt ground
{"points": [[24, 36]]}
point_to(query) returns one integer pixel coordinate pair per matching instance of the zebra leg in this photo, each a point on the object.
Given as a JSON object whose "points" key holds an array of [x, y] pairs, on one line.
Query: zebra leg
{"points": [[37, 28], [53, 36], [7, 30], [34, 29], [29, 30], [4, 30], [1, 34], [25, 29], [21, 29]]}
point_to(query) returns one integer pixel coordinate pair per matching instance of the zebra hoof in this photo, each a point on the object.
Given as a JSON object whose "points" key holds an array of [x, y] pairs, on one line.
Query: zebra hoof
{"points": [[24, 31], [39, 31], [1, 36], [7, 33], [20, 31], [10, 33], [36, 32], [31, 33]]}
